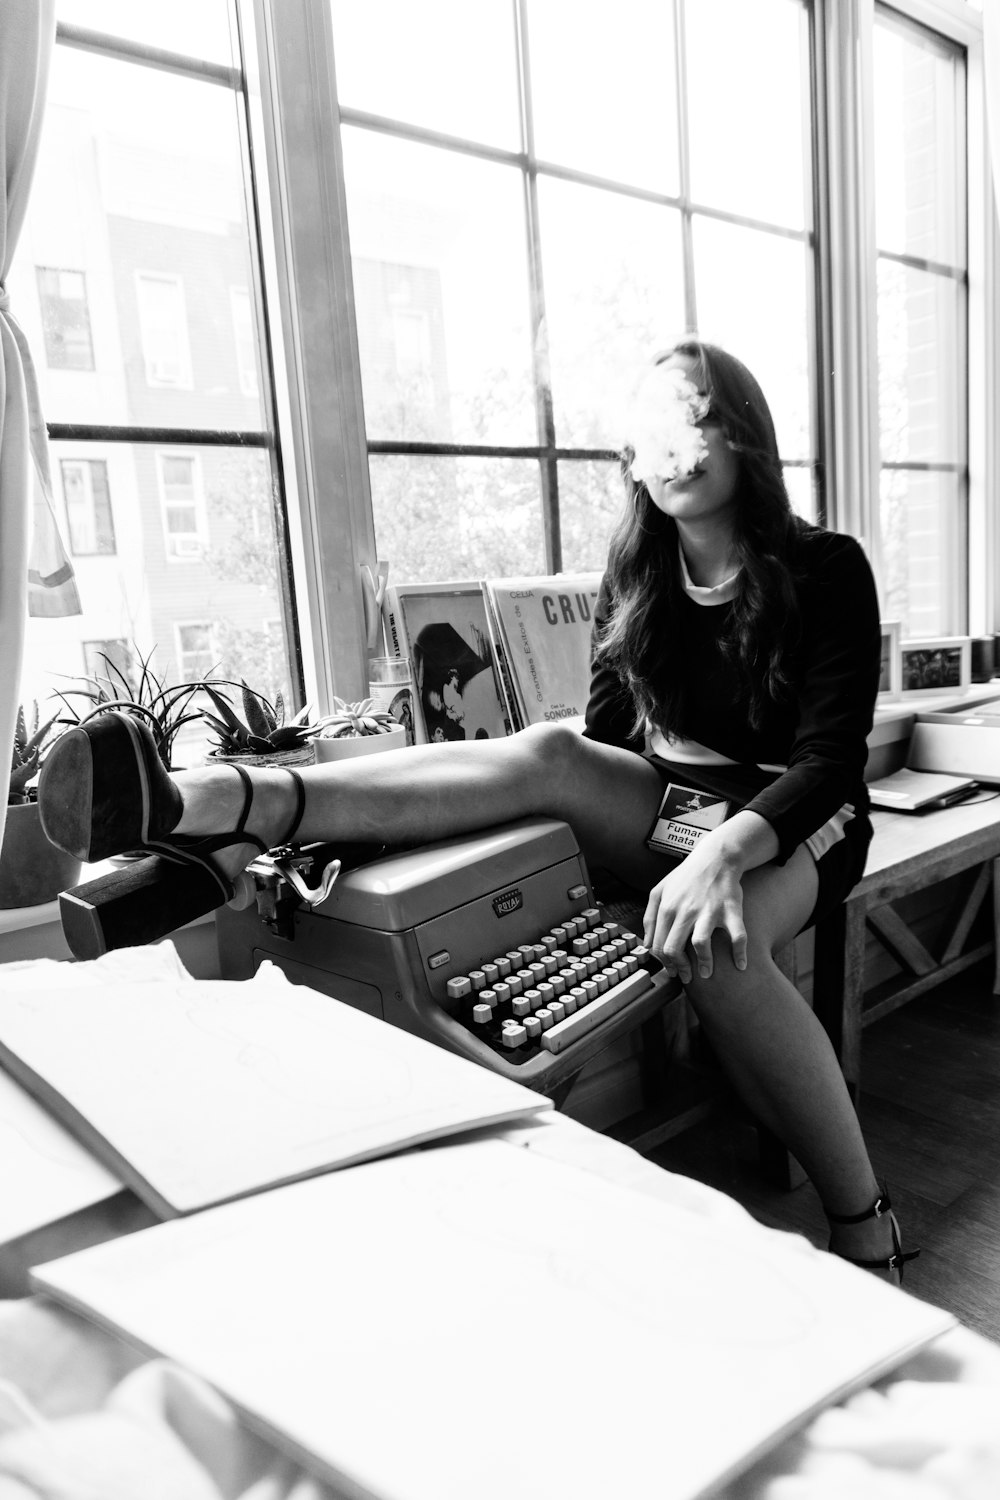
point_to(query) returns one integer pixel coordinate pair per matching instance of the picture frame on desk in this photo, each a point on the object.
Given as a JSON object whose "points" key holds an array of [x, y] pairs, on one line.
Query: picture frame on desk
{"points": [[891, 674], [933, 666], [442, 628]]}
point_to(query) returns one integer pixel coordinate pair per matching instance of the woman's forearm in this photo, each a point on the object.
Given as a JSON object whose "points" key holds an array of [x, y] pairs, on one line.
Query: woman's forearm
{"points": [[743, 842]]}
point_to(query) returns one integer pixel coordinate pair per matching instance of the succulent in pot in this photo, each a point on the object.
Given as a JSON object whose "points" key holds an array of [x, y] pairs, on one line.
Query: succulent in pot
{"points": [[350, 719], [265, 730], [32, 871], [25, 760], [355, 729]]}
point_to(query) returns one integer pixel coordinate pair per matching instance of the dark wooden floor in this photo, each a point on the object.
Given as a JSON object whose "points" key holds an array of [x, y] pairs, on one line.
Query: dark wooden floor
{"points": [[930, 1108]]}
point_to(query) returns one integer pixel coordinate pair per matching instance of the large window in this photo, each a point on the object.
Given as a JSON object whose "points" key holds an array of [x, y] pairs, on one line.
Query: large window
{"points": [[921, 218], [529, 229], [138, 279], [433, 246]]}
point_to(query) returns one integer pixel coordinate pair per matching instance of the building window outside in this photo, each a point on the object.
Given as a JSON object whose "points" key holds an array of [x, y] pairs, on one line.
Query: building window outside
{"points": [[163, 323], [65, 319], [103, 660], [922, 280], [183, 504], [196, 658], [246, 342], [89, 519]]}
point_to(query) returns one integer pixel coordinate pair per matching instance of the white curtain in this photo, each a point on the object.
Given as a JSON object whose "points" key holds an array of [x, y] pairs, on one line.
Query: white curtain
{"points": [[34, 569], [991, 68]]}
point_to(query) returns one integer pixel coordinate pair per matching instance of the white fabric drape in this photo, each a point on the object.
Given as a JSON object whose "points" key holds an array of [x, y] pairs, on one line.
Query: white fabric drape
{"points": [[33, 562], [991, 69]]}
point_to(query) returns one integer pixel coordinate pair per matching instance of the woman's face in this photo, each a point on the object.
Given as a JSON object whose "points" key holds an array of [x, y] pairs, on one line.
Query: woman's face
{"points": [[711, 490]]}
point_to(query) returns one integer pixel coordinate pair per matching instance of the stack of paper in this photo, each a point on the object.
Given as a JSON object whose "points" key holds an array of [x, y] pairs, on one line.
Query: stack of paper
{"points": [[196, 1092], [476, 1321]]}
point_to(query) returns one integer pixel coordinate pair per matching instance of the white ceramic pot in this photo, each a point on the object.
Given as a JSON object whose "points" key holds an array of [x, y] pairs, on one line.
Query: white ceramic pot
{"points": [[347, 746]]}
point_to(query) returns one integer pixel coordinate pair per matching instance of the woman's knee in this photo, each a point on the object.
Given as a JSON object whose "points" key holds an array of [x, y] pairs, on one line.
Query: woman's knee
{"points": [[556, 750]]}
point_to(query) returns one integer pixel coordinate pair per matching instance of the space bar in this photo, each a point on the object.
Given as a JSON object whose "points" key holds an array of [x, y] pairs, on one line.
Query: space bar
{"points": [[582, 1022]]}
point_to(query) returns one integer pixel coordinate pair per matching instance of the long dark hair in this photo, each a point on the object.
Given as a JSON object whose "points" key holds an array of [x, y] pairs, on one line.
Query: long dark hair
{"points": [[643, 640]]}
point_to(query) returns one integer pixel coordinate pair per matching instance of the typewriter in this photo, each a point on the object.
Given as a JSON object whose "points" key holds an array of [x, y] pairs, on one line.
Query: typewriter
{"points": [[491, 944]]}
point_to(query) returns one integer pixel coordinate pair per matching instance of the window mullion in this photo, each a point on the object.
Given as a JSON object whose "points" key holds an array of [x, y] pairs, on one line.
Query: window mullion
{"points": [[984, 359], [852, 456], [316, 300]]}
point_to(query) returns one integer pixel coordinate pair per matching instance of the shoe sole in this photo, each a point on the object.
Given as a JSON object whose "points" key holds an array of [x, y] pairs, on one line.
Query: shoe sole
{"points": [[65, 795]]}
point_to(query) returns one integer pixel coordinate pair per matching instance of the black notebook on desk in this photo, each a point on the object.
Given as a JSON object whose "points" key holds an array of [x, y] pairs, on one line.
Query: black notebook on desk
{"points": [[920, 791]]}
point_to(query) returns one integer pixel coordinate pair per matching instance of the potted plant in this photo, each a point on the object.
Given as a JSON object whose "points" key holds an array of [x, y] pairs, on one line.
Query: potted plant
{"points": [[164, 710], [264, 736], [356, 729], [32, 870]]}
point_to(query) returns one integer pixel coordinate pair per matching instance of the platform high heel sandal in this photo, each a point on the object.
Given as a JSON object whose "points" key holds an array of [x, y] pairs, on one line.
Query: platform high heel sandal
{"points": [[882, 1206], [103, 791]]}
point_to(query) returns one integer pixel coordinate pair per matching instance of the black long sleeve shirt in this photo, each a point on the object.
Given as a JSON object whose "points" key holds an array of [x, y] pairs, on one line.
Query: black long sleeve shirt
{"points": [[819, 732]]}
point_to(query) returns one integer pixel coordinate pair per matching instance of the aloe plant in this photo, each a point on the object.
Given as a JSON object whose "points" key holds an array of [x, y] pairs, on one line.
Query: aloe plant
{"points": [[264, 728], [29, 739], [350, 719]]}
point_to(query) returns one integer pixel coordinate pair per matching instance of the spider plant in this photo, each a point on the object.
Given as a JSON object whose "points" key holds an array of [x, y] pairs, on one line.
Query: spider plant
{"points": [[165, 710]]}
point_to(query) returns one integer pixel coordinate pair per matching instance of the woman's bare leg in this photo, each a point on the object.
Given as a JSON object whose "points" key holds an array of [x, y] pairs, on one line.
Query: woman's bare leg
{"points": [[608, 796], [781, 1060]]}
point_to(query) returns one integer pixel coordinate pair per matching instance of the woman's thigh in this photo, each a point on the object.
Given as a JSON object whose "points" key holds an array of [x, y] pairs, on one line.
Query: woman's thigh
{"points": [[609, 797]]}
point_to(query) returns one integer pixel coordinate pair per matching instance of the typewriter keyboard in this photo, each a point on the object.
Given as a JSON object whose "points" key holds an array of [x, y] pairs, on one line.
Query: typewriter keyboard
{"points": [[545, 995]]}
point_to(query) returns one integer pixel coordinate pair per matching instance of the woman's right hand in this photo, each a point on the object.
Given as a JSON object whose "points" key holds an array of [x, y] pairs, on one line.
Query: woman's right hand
{"points": [[686, 907]]}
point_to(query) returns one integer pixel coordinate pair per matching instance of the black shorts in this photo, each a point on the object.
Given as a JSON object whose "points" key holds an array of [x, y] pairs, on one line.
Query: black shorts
{"points": [[839, 866]]}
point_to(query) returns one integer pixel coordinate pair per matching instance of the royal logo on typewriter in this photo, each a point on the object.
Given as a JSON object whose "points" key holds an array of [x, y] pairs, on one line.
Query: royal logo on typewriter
{"points": [[509, 901], [685, 816]]}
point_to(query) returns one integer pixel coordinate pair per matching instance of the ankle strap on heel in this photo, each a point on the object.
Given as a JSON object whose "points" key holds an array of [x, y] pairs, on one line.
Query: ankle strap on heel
{"points": [[300, 804], [878, 1209]]}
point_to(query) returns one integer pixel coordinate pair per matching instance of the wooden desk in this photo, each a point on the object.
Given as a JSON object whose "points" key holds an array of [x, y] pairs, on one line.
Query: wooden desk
{"points": [[908, 853]]}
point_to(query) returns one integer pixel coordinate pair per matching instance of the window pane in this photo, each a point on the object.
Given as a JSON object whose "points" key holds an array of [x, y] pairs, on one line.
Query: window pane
{"points": [[922, 552], [752, 299], [197, 28], [747, 107], [138, 595], [921, 370], [139, 186], [614, 294], [579, 119], [919, 166], [451, 518], [439, 249], [590, 505], [443, 64], [800, 484]]}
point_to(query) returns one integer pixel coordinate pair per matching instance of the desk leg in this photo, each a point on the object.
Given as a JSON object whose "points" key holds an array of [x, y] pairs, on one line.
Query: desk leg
{"points": [[839, 985]]}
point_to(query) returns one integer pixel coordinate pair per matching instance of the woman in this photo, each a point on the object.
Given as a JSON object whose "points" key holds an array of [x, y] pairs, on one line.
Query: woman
{"points": [[737, 667]]}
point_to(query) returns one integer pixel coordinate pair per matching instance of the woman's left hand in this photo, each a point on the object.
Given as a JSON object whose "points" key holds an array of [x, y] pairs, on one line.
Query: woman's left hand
{"points": [[685, 908]]}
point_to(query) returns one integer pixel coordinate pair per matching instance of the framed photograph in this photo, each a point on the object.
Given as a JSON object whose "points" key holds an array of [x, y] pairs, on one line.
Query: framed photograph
{"points": [[890, 676], [442, 628], [939, 665]]}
